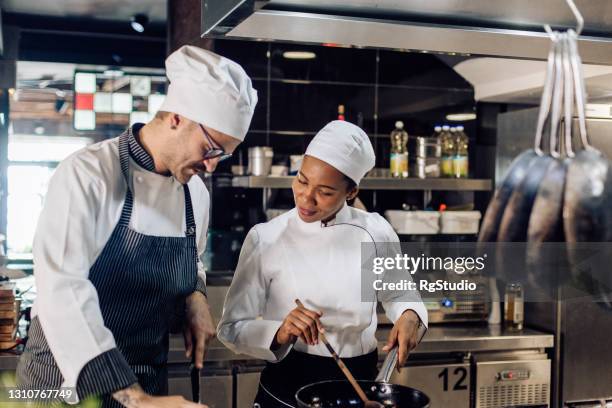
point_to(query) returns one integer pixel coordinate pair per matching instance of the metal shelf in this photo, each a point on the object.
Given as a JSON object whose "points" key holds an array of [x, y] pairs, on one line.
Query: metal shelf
{"points": [[375, 183]]}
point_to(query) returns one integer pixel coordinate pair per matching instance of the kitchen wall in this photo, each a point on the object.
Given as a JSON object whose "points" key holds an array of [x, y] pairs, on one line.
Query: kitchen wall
{"points": [[298, 97], [377, 87]]}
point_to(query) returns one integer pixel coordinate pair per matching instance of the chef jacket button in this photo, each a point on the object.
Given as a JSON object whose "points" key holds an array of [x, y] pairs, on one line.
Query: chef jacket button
{"points": [[139, 179]]}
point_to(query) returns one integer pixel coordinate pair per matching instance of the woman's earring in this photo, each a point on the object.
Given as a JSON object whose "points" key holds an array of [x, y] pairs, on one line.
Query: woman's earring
{"points": [[173, 127]]}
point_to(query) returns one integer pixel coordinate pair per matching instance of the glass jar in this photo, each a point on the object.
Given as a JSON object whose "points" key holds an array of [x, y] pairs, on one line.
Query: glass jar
{"points": [[514, 307]]}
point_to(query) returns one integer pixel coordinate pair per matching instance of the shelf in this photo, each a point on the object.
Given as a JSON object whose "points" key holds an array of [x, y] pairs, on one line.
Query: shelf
{"points": [[375, 183], [310, 133]]}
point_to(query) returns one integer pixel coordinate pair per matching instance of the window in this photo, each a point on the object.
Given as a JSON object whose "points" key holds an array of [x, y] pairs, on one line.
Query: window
{"points": [[55, 110], [32, 161]]}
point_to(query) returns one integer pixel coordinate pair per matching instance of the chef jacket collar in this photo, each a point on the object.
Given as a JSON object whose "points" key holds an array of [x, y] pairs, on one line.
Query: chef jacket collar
{"points": [[137, 152], [342, 216]]}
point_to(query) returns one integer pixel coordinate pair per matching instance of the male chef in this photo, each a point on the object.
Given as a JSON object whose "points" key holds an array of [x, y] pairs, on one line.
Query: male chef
{"points": [[118, 242]]}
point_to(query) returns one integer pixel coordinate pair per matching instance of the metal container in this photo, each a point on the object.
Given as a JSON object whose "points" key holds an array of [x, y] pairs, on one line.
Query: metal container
{"points": [[260, 160], [427, 147], [426, 167]]}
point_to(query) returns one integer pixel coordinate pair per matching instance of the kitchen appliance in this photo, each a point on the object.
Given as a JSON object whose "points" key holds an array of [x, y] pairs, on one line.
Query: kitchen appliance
{"points": [[511, 380], [496, 28], [260, 160], [470, 306], [457, 306]]}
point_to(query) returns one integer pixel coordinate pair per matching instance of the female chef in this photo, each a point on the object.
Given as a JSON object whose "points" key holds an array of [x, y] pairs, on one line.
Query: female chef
{"points": [[313, 253]]}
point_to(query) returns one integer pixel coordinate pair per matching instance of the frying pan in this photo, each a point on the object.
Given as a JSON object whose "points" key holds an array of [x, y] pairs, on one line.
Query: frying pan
{"points": [[520, 167], [340, 394]]}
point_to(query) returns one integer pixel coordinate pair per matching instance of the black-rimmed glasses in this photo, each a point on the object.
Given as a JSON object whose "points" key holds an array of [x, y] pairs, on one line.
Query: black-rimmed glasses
{"points": [[215, 151]]}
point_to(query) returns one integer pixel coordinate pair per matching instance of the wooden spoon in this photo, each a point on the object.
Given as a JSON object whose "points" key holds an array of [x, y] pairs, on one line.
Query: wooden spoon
{"points": [[367, 403]]}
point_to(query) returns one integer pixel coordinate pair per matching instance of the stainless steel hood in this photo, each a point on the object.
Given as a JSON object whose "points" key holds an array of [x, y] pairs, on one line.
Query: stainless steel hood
{"points": [[475, 27]]}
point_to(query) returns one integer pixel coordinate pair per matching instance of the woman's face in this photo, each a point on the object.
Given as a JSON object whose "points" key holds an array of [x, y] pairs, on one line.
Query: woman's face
{"points": [[319, 190]]}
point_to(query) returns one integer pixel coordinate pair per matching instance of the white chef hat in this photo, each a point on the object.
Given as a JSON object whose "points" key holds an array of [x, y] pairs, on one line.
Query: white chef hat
{"points": [[211, 90], [344, 146]]}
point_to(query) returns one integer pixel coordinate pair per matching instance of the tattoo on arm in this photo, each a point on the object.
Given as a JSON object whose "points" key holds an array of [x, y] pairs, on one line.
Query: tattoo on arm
{"points": [[127, 396]]}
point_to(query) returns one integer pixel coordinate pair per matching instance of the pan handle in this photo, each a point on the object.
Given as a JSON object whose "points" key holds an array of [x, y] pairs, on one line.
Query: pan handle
{"points": [[391, 360], [388, 366]]}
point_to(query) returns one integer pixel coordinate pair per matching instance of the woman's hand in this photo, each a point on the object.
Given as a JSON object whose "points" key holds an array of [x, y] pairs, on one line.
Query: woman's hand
{"points": [[300, 322], [405, 335]]}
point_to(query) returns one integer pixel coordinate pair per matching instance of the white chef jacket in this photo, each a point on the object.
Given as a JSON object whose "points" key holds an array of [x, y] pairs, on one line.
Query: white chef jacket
{"points": [[287, 259], [82, 207]]}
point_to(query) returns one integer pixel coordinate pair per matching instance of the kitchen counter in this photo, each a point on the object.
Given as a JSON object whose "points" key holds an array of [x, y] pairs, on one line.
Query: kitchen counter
{"points": [[439, 339]]}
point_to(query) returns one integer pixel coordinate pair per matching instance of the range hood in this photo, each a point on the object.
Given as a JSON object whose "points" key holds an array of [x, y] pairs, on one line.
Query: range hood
{"points": [[505, 80], [498, 28]]}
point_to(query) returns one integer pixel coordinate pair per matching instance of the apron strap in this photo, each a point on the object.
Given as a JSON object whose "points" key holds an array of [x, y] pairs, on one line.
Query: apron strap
{"points": [[126, 212], [189, 220], [124, 159]]}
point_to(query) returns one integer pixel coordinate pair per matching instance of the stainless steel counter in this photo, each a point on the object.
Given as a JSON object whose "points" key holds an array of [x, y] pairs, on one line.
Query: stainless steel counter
{"points": [[474, 339], [437, 340]]}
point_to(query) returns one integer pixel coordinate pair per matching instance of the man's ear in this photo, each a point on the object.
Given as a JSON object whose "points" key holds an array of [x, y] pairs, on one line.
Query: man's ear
{"points": [[175, 120]]}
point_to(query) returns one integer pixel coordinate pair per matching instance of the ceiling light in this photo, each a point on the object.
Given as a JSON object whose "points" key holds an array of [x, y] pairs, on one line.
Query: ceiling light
{"points": [[299, 55], [139, 22], [460, 117]]}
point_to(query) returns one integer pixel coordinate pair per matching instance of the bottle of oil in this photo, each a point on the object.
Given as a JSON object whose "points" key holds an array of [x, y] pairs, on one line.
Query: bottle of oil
{"points": [[460, 161], [399, 151], [448, 151], [341, 112], [514, 307]]}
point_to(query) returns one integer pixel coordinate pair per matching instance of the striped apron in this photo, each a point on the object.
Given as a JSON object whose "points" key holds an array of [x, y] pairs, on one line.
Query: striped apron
{"points": [[141, 280]]}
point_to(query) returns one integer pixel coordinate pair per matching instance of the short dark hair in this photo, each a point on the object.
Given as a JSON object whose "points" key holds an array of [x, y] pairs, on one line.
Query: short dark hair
{"points": [[350, 182]]}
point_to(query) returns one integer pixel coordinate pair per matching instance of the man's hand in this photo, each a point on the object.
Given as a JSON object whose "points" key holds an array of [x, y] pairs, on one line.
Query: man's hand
{"points": [[199, 327], [405, 335], [135, 397]]}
